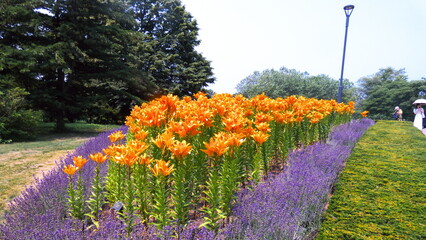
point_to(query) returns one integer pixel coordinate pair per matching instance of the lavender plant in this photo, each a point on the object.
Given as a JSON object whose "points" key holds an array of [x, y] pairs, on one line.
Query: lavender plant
{"points": [[38, 213]]}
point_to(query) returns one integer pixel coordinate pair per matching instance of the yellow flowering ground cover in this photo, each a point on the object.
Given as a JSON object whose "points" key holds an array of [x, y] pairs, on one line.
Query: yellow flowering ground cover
{"points": [[381, 193]]}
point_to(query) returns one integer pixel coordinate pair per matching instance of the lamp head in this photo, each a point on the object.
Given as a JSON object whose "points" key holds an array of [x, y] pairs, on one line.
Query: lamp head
{"points": [[348, 9]]}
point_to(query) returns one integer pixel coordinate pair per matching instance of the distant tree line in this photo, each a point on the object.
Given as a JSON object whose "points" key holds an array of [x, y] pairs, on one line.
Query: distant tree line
{"points": [[94, 60], [286, 82], [379, 93]]}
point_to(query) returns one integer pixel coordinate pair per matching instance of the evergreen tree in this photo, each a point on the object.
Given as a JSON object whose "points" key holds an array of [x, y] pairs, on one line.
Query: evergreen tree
{"points": [[172, 37], [65, 52], [95, 59]]}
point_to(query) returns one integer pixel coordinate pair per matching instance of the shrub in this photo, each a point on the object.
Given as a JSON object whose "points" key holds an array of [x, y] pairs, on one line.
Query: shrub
{"points": [[16, 122]]}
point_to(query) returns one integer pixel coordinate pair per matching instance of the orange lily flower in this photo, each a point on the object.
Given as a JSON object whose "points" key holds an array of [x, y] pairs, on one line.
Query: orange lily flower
{"points": [[128, 158], [152, 116], [235, 139], [114, 149], [137, 146], [70, 169], [144, 160], [217, 146], [234, 123], [177, 127], [262, 117], [364, 114], [169, 103], [260, 137], [79, 161], [299, 119], [164, 140], [263, 126], [98, 157], [133, 128], [180, 149], [162, 168], [113, 137], [141, 135]]}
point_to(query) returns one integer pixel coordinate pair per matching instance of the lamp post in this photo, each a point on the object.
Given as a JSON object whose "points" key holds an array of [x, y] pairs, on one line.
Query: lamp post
{"points": [[348, 11]]}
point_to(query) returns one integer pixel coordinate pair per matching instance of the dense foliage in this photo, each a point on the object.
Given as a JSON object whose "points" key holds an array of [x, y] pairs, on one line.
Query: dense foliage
{"points": [[95, 59], [381, 193], [388, 88], [16, 121], [286, 82]]}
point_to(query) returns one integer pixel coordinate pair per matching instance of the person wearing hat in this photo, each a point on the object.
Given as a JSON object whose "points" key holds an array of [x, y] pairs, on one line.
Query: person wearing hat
{"points": [[398, 113], [418, 119]]}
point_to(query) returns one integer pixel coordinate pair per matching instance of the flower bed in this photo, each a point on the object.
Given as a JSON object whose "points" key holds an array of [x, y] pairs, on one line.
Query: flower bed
{"points": [[42, 213], [42, 204], [290, 206]]}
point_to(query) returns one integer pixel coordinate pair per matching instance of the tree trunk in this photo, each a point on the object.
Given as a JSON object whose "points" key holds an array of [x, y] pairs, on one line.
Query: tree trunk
{"points": [[60, 123]]}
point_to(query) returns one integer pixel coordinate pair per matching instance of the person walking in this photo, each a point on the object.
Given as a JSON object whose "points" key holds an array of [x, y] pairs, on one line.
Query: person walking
{"points": [[419, 113]]}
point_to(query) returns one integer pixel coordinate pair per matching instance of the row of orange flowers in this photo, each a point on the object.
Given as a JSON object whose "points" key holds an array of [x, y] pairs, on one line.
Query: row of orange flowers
{"points": [[170, 134]]}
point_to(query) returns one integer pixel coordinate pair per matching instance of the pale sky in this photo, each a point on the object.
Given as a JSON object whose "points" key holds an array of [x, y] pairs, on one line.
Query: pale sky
{"points": [[243, 36]]}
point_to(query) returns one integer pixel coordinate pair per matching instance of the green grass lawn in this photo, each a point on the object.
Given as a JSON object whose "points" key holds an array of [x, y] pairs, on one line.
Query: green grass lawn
{"points": [[381, 193], [21, 161]]}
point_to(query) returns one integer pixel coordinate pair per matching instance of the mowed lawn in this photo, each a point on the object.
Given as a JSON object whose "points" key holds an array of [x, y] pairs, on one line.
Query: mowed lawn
{"points": [[20, 162], [381, 193]]}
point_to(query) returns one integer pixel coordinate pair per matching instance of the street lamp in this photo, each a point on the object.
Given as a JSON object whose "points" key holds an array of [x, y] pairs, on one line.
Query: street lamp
{"points": [[348, 11]]}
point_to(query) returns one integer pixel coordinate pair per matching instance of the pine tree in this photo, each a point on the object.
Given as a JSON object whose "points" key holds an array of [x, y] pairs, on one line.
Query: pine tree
{"points": [[172, 34], [69, 52], [95, 59]]}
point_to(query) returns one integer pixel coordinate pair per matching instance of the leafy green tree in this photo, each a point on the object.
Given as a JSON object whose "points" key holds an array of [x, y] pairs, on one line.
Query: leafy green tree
{"points": [[56, 49], [171, 58], [96, 59], [388, 88], [287, 82], [17, 122]]}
